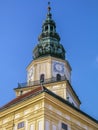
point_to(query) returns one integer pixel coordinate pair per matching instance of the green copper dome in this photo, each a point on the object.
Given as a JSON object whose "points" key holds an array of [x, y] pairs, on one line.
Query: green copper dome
{"points": [[49, 40]]}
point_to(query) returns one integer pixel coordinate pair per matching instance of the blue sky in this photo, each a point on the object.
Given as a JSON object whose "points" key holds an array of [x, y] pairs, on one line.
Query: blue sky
{"points": [[77, 24]]}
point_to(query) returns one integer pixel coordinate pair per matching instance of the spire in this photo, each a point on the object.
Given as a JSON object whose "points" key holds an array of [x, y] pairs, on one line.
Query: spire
{"points": [[49, 27], [49, 15], [49, 8], [49, 39]]}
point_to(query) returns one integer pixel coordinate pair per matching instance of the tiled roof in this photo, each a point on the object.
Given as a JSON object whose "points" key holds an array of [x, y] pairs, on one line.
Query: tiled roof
{"points": [[40, 90], [24, 85], [20, 98]]}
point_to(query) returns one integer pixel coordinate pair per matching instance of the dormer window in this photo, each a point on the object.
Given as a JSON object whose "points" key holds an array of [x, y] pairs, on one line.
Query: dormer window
{"points": [[21, 92]]}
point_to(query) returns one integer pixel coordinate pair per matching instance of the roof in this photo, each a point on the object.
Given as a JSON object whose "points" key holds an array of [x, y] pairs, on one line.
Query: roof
{"points": [[24, 85], [73, 91], [39, 90], [22, 97]]}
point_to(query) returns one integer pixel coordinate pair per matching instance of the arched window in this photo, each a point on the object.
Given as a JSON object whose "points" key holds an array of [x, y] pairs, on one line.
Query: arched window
{"points": [[51, 28], [58, 77], [21, 92], [42, 78], [46, 28]]}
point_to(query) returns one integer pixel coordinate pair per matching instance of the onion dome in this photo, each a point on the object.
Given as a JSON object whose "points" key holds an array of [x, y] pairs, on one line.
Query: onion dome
{"points": [[49, 40]]}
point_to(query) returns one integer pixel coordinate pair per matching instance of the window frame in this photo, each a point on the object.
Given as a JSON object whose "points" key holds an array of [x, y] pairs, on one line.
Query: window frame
{"points": [[64, 126], [20, 125]]}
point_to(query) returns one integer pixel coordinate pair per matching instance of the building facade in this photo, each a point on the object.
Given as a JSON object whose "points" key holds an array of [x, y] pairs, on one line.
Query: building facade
{"points": [[47, 101]]}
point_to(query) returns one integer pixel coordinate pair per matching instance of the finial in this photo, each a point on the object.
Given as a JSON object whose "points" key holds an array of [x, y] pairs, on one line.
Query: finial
{"points": [[49, 8]]}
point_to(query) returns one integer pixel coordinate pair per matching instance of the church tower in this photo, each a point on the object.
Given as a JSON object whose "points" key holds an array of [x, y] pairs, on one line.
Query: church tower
{"points": [[49, 67]]}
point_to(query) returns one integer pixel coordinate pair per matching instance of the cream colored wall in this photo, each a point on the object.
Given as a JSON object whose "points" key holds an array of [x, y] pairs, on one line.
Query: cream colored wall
{"points": [[44, 112], [63, 90], [40, 66], [31, 112], [61, 113], [45, 66], [60, 88]]}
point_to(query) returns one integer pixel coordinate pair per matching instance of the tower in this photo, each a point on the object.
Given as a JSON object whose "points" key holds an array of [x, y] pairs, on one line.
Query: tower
{"points": [[47, 101], [49, 66]]}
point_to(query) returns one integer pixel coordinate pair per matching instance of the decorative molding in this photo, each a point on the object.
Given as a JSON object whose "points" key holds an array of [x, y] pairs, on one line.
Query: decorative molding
{"points": [[27, 111], [17, 116], [5, 120]]}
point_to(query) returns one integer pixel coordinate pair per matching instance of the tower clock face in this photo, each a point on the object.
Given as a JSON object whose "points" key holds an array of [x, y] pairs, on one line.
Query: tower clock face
{"points": [[30, 73], [59, 67]]}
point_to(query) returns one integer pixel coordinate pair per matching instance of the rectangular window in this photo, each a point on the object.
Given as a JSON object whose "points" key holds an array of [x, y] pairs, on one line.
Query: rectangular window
{"points": [[40, 125], [20, 125], [47, 125], [32, 127], [64, 126], [53, 127]]}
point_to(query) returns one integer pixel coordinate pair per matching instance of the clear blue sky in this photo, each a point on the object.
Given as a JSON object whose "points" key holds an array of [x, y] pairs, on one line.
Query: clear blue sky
{"points": [[77, 24]]}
